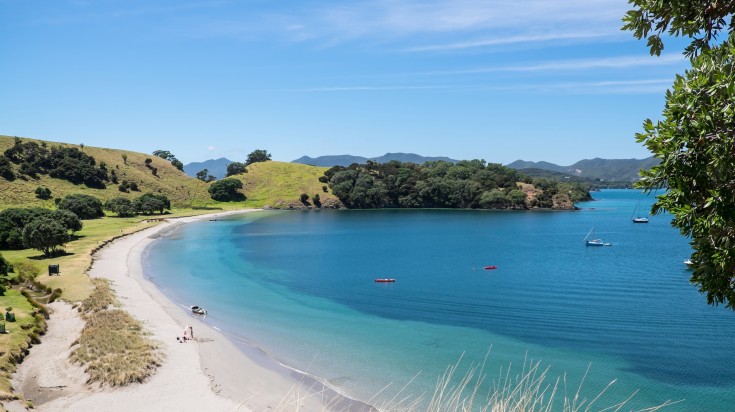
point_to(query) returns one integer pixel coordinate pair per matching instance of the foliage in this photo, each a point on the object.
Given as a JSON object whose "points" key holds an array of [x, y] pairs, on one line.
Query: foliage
{"points": [[695, 138], [236, 168], [67, 163], [122, 206], [701, 20], [151, 202], [304, 198], [257, 156], [165, 154], [226, 190], [43, 193], [317, 200], [465, 184], [6, 169], [67, 219], [12, 222], [46, 235], [84, 206], [4, 266], [204, 176]]}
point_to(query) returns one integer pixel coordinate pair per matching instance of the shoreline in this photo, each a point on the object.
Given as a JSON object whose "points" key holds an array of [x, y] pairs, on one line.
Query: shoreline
{"points": [[212, 372]]}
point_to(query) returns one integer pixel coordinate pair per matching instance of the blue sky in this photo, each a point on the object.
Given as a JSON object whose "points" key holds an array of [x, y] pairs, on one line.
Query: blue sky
{"points": [[497, 80]]}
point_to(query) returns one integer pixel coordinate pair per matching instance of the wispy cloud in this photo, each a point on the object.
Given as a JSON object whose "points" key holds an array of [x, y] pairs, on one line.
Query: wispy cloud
{"points": [[506, 40], [638, 86], [616, 62]]}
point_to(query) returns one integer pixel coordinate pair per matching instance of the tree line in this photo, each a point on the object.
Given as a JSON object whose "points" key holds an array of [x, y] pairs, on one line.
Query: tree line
{"points": [[48, 230], [439, 184]]}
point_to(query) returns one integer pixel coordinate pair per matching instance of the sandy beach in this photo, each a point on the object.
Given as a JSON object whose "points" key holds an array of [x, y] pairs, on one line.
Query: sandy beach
{"points": [[207, 373]]}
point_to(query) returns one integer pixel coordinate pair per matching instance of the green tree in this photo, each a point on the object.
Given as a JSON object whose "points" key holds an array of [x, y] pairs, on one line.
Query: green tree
{"points": [[68, 219], [236, 168], [84, 206], [43, 193], [4, 266], [204, 176], [151, 202], [177, 164], [4, 269], [226, 190], [165, 154], [257, 156], [6, 169], [46, 235], [694, 139], [121, 206], [124, 158]]}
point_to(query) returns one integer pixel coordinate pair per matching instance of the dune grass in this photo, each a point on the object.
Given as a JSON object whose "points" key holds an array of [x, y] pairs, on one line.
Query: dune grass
{"points": [[530, 390], [114, 350]]}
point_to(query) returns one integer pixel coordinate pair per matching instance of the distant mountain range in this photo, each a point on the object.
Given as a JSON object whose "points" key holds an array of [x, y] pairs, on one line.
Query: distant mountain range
{"points": [[346, 160], [216, 167], [611, 170]]}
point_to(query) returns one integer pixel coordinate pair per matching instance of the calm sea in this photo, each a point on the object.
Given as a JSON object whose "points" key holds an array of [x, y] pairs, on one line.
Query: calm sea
{"points": [[300, 285]]}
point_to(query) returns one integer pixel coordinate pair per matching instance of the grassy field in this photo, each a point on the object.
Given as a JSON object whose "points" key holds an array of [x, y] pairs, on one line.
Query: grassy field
{"points": [[280, 185]]}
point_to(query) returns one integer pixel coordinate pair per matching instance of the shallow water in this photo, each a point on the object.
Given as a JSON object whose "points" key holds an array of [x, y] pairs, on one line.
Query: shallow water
{"points": [[299, 284]]}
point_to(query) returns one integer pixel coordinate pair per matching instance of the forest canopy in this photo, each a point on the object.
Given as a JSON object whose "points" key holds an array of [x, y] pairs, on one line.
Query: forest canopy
{"points": [[465, 184]]}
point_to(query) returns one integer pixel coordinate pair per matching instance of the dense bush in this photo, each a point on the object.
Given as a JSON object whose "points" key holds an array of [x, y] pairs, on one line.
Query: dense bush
{"points": [[236, 168], [226, 190], [43, 193], [84, 206], [6, 169], [67, 219], [67, 163], [123, 207], [12, 222], [4, 266], [257, 156], [150, 202], [465, 184], [46, 235]]}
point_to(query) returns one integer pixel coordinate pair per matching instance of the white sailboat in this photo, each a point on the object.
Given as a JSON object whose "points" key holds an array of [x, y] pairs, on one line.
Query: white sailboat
{"points": [[590, 240], [639, 219]]}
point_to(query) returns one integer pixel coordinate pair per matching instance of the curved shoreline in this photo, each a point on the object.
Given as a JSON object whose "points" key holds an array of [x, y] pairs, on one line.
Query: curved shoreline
{"points": [[210, 373]]}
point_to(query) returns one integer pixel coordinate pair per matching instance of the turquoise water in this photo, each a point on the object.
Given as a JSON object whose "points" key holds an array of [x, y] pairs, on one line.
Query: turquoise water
{"points": [[299, 284]]}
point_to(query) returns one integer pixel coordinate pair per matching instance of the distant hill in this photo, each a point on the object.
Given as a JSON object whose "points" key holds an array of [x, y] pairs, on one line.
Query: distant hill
{"points": [[616, 170], [346, 160], [216, 167]]}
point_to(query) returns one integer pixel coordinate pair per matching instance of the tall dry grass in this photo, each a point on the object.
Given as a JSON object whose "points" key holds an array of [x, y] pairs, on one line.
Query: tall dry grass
{"points": [[530, 390], [113, 347]]}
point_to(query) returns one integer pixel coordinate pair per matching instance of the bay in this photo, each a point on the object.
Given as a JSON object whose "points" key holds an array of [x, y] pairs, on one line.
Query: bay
{"points": [[300, 285]]}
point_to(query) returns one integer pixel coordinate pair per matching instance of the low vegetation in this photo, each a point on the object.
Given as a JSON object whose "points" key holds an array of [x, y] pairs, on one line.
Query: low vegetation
{"points": [[112, 346], [113, 350]]}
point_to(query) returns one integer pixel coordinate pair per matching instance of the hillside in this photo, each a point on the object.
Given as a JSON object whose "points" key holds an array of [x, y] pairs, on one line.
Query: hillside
{"points": [[183, 190], [280, 185], [216, 167], [616, 170], [346, 160], [272, 184]]}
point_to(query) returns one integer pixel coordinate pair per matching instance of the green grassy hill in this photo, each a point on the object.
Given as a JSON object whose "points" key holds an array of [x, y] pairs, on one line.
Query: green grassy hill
{"points": [[176, 185], [280, 185], [272, 184]]}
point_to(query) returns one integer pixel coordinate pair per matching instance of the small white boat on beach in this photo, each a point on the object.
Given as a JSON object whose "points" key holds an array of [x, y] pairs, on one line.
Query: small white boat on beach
{"points": [[198, 310]]}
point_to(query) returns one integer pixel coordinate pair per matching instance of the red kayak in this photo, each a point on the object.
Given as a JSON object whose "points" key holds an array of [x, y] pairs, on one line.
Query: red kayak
{"points": [[491, 267], [385, 280]]}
